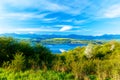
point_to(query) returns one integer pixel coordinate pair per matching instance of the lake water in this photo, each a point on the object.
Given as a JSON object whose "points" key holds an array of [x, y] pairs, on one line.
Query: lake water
{"points": [[58, 48]]}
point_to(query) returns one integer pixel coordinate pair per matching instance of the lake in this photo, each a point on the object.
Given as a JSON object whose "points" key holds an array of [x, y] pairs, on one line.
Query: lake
{"points": [[58, 48]]}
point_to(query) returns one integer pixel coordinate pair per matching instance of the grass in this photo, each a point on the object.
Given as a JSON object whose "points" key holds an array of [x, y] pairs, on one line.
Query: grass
{"points": [[34, 75]]}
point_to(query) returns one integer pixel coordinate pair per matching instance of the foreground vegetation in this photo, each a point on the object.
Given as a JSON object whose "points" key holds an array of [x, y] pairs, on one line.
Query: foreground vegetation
{"points": [[21, 60], [34, 75]]}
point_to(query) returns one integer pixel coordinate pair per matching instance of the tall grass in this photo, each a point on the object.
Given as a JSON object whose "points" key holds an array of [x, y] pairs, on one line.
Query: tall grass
{"points": [[34, 75]]}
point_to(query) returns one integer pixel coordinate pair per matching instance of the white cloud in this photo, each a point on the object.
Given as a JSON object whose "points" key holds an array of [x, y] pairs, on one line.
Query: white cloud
{"points": [[25, 30], [35, 29], [4, 29], [49, 19], [7, 12], [31, 32], [28, 29], [75, 7], [65, 28], [17, 32], [41, 5], [112, 12], [22, 16]]}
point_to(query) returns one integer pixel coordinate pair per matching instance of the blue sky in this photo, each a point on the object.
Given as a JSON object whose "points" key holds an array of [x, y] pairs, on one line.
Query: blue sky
{"points": [[83, 17]]}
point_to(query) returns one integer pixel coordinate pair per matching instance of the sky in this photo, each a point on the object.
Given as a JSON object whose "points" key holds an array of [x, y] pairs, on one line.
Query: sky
{"points": [[82, 17]]}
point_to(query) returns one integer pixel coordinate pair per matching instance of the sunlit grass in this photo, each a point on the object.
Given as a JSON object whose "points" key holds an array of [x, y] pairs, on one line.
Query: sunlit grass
{"points": [[34, 75]]}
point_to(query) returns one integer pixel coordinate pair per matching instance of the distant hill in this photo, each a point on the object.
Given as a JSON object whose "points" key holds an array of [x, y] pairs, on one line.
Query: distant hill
{"points": [[73, 36]]}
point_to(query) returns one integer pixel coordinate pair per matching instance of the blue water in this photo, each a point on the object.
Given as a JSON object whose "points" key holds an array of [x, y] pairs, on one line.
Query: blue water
{"points": [[55, 48]]}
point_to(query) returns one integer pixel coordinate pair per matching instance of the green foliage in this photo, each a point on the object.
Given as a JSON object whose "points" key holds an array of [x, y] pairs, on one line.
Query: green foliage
{"points": [[97, 62], [92, 77], [18, 63], [37, 53], [34, 75], [92, 62]]}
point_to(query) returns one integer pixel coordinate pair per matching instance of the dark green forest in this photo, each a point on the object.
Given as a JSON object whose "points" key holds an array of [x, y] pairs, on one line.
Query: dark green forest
{"points": [[22, 60]]}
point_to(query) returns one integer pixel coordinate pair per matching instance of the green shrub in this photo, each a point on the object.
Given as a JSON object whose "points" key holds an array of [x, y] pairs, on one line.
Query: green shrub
{"points": [[17, 64], [93, 77]]}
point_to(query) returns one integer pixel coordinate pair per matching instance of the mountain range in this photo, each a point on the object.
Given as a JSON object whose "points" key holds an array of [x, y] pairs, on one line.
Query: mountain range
{"points": [[73, 36]]}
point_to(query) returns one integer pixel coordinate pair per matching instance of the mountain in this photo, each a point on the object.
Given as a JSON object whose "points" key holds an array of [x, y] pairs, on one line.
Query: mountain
{"points": [[73, 36]]}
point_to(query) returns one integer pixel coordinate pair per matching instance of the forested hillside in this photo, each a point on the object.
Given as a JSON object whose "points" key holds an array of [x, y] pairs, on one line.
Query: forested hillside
{"points": [[25, 61], [68, 41]]}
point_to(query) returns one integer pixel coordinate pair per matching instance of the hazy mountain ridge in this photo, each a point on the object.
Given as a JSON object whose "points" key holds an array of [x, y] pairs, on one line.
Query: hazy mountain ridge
{"points": [[73, 36]]}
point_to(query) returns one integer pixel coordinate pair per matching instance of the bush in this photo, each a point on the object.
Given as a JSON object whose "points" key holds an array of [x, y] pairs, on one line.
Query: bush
{"points": [[36, 54], [18, 63]]}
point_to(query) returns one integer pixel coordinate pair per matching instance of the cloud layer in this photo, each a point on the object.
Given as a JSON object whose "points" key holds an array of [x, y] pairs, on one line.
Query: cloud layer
{"points": [[113, 11], [46, 15]]}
